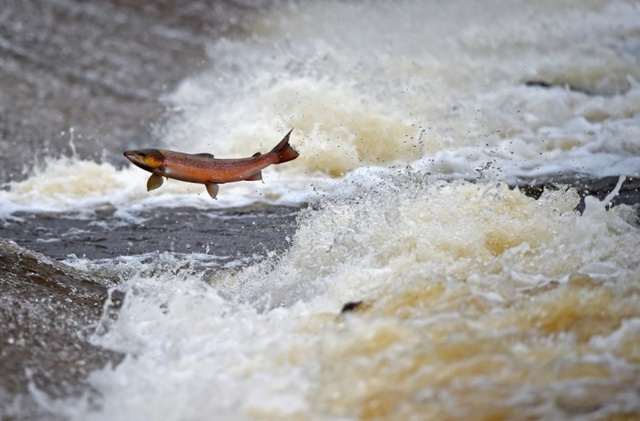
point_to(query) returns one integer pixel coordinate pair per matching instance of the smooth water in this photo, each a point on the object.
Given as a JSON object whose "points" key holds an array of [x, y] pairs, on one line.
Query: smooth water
{"points": [[404, 278]]}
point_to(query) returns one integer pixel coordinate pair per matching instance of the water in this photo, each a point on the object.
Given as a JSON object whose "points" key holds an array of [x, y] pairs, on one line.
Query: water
{"points": [[391, 271]]}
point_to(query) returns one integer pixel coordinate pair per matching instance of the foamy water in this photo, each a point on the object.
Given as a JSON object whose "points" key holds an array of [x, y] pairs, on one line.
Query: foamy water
{"points": [[475, 301], [440, 87]]}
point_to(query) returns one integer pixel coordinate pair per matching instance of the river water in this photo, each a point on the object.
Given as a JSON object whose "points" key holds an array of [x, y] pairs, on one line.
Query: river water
{"points": [[457, 240]]}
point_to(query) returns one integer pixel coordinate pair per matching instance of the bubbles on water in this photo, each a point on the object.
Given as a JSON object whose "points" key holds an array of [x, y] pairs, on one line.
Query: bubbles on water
{"points": [[467, 290], [444, 104], [476, 300]]}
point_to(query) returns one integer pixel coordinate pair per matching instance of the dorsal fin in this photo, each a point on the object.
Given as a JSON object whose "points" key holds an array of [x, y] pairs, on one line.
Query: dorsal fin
{"points": [[205, 155], [257, 154]]}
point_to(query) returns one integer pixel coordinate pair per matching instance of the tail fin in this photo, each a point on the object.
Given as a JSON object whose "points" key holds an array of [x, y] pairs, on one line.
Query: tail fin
{"points": [[284, 151]]}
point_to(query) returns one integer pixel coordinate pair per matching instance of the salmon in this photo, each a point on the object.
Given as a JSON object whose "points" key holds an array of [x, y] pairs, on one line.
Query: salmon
{"points": [[204, 168]]}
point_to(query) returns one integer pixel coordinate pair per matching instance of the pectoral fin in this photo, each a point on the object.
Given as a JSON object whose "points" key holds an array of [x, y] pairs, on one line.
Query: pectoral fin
{"points": [[154, 182], [212, 189]]}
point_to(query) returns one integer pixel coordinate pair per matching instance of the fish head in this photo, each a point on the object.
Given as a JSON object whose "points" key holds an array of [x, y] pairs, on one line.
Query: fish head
{"points": [[147, 159]]}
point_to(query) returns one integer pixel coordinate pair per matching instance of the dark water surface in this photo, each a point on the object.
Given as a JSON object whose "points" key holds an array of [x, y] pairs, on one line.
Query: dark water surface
{"points": [[45, 310], [48, 309], [86, 77], [225, 233], [92, 72]]}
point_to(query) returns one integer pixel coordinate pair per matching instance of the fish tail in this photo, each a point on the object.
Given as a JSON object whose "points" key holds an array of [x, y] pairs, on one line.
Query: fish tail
{"points": [[284, 151]]}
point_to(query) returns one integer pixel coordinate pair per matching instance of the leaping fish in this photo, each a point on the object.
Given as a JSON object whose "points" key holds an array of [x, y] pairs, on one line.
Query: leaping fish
{"points": [[204, 168]]}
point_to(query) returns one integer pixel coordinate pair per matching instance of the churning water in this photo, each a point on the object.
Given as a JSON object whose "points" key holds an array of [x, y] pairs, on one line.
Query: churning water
{"points": [[417, 285]]}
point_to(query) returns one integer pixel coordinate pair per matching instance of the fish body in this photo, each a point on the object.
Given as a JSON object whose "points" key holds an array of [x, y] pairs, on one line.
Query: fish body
{"points": [[205, 169]]}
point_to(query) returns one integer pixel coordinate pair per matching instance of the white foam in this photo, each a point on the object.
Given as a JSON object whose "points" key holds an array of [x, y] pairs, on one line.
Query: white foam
{"points": [[422, 95], [188, 344], [424, 91], [380, 95]]}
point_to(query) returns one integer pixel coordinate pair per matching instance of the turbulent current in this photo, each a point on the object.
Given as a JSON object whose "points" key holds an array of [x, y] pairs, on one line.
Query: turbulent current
{"points": [[458, 239]]}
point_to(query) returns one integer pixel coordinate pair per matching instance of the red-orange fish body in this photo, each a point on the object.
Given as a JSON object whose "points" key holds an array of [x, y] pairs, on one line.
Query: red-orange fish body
{"points": [[205, 169]]}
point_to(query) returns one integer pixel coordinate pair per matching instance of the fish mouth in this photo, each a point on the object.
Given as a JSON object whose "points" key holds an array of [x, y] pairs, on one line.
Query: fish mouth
{"points": [[134, 157], [147, 159]]}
